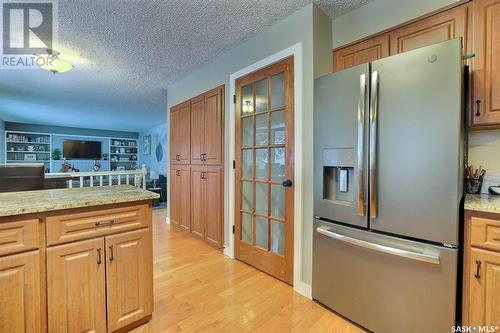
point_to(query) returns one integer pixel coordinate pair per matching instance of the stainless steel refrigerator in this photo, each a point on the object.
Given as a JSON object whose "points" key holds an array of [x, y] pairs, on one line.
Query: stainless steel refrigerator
{"points": [[388, 173]]}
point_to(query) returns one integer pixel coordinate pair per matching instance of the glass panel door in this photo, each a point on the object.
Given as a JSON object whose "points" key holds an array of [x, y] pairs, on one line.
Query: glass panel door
{"points": [[264, 140]]}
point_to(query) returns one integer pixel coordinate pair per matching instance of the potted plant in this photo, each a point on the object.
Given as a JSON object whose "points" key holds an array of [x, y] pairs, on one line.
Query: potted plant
{"points": [[56, 154]]}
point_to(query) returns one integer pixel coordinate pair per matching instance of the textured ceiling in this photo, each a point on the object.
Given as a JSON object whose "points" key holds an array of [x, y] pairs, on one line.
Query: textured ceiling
{"points": [[126, 52]]}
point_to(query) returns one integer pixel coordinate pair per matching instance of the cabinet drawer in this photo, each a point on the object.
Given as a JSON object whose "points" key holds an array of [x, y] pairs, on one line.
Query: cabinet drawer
{"points": [[89, 224], [485, 233], [18, 236]]}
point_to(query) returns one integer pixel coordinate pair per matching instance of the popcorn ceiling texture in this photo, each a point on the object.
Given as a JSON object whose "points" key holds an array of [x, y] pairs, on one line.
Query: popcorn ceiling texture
{"points": [[129, 51]]}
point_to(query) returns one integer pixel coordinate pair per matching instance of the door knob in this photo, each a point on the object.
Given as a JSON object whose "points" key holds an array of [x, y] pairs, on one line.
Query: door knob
{"points": [[287, 183]]}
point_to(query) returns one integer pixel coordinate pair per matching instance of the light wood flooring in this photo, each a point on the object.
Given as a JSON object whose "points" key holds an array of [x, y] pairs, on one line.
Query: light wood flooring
{"points": [[198, 289]]}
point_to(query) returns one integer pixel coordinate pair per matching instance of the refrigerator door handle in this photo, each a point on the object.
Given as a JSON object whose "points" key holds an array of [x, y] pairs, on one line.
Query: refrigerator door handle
{"points": [[373, 144], [428, 258], [361, 145]]}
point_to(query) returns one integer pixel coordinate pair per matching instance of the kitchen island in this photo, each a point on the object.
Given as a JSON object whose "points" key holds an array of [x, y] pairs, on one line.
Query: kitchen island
{"points": [[76, 260]]}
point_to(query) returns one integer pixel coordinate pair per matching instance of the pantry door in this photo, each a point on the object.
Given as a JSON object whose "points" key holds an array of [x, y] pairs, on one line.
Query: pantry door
{"points": [[264, 169]]}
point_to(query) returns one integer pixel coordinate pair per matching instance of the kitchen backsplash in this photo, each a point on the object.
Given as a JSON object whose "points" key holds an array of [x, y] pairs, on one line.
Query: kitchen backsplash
{"points": [[484, 150]]}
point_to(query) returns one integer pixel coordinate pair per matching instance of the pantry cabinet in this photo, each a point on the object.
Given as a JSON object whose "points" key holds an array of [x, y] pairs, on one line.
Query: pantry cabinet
{"points": [[180, 141], [196, 189], [180, 194], [486, 64], [481, 287], [206, 208]]}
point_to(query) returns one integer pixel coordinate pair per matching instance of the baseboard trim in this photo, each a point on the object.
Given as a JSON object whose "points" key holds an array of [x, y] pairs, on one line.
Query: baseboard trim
{"points": [[304, 289], [228, 252], [167, 219]]}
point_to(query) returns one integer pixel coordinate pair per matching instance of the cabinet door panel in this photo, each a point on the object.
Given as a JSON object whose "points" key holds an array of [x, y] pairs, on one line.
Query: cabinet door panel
{"points": [[197, 202], [437, 28], [76, 287], [485, 65], [174, 134], [129, 262], [360, 53], [20, 293], [213, 206], [213, 127], [175, 199], [185, 198], [180, 140], [197, 129], [484, 288]]}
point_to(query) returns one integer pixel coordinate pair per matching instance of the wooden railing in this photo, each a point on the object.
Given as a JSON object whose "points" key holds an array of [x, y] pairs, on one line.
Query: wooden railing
{"points": [[104, 178]]}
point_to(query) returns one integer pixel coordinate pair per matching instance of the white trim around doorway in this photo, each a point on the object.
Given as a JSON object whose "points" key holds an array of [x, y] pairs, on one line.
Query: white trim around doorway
{"points": [[296, 51]]}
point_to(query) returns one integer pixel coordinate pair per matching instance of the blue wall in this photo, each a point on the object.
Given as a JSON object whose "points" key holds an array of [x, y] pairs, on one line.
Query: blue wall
{"points": [[83, 165], [158, 148]]}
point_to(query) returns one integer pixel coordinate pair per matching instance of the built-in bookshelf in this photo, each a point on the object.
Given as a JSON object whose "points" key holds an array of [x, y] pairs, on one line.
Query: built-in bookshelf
{"points": [[123, 154], [28, 147]]}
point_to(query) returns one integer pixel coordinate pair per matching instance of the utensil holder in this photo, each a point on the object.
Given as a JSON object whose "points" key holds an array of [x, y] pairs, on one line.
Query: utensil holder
{"points": [[473, 186]]}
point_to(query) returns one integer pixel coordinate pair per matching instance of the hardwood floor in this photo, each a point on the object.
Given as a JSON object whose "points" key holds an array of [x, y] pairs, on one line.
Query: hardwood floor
{"points": [[198, 289]]}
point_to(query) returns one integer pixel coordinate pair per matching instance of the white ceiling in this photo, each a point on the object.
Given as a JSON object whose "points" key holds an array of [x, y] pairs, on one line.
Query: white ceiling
{"points": [[126, 52]]}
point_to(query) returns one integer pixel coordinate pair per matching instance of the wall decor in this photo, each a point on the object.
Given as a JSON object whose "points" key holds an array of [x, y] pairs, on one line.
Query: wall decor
{"points": [[159, 148], [146, 145]]}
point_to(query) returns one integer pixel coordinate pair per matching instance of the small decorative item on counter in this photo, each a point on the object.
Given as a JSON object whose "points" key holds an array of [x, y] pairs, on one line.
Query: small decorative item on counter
{"points": [[474, 179], [495, 190]]}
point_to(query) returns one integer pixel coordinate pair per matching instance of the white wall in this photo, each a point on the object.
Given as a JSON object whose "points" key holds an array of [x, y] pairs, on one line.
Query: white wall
{"points": [[484, 149], [2, 141], [296, 28], [379, 15], [159, 148]]}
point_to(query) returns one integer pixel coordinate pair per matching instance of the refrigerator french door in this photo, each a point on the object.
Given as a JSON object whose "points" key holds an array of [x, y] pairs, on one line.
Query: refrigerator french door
{"points": [[388, 175]]}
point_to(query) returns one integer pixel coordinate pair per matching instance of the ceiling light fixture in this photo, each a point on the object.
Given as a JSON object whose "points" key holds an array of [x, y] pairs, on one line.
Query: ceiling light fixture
{"points": [[54, 64]]}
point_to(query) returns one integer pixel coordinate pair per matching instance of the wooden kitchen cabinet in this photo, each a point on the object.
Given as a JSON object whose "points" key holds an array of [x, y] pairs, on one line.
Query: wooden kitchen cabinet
{"points": [[129, 278], [481, 285], [206, 209], [76, 287], [441, 27], [20, 293], [180, 141], [486, 64], [360, 53], [484, 280], [180, 196], [207, 128]]}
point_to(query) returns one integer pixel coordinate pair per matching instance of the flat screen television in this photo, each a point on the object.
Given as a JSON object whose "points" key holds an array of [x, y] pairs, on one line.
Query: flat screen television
{"points": [[88, 150]]}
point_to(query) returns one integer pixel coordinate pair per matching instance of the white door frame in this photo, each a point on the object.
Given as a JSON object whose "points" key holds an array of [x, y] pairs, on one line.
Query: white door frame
{"points": [[295, 51]]}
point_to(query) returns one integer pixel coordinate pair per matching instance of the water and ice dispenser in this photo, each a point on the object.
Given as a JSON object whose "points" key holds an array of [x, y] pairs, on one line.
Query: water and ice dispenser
{"points": [[338, 174]]}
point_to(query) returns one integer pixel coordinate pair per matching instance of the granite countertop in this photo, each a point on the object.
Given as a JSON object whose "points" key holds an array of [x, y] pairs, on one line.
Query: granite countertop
{"points": [[17, 203], [482, 203]]}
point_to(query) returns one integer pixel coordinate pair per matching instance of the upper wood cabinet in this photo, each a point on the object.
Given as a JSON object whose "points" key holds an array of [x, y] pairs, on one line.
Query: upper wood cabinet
{"points": [[484, 277], [486, 64], [360, 53], [20, 293], [76, 287], [435, 29], [180, 140], [180, 196], [129, 277], [197, 129], [214, 126]]}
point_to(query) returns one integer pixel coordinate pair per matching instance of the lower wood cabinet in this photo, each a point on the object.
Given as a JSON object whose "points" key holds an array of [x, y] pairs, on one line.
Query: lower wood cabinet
{"points": [[76, 287], [484, 280], [180, 196], [20, 293], [206, 204], [481, 291], [129, 277], [101, 284]]}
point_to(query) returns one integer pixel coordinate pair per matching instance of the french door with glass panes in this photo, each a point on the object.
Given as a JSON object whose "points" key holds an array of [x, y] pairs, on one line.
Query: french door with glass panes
{"points": [[264, 169]]}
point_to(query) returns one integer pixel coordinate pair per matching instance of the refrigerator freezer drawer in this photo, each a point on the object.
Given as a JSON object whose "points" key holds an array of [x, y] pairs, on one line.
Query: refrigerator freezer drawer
{"points": [[384, 283]]}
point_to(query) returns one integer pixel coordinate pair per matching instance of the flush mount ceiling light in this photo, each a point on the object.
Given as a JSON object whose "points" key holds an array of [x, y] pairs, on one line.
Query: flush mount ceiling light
{"points": [[54, 64]]}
